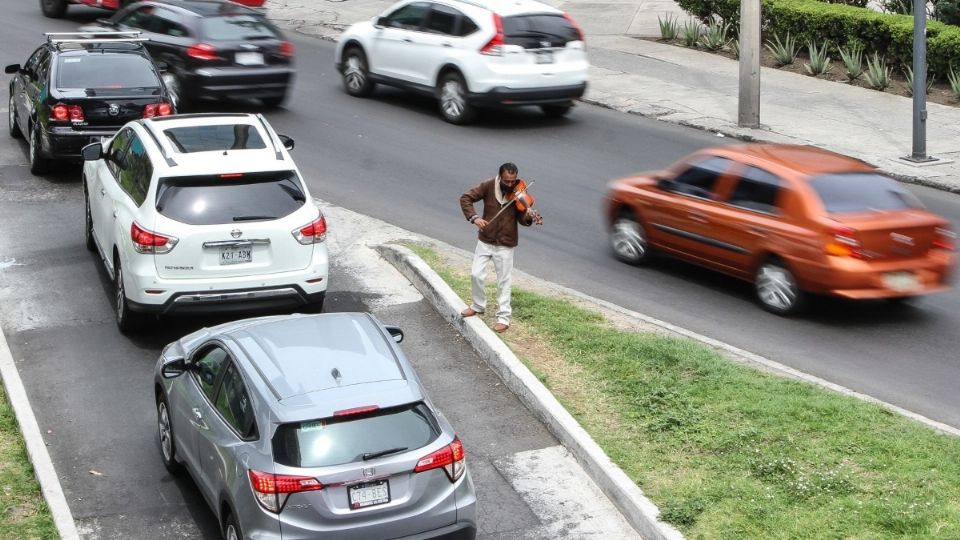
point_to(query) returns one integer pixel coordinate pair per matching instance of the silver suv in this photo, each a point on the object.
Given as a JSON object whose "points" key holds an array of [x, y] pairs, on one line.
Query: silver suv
{"points": [[311, 426]]}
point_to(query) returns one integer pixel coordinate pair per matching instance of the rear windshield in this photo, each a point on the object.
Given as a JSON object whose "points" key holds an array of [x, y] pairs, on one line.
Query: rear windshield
{"points": [[532, 31], [334, 441], [862, 192], [238, 27], [211, 200], [105, 72], [213, 138]]}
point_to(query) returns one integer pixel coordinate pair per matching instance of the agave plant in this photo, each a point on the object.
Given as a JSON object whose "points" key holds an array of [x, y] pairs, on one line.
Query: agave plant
{"points": [[908, 73], [852, 60], [878, 73], [734, 46], [784, 52], [819, 61], [669, 27], [691, 32], [715, 35], [953, 77]]}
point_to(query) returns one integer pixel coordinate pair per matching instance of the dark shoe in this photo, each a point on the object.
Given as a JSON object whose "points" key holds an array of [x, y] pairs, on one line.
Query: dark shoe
{"points": [[470, 312], [500, 327]]}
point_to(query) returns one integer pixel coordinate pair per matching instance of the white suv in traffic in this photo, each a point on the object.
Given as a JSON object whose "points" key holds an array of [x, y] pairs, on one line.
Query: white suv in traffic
{"points": [[469, 54], [203, 213]]}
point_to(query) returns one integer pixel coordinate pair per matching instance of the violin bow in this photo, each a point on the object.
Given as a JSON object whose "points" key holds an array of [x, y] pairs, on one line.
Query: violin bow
{"points": [[512, 201]]}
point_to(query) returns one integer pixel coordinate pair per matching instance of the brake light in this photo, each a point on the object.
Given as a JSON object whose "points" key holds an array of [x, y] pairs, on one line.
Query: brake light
{"points": [[286, 49], [157, 109], [312, 233], [575, 26], [357, 410], [145, 241], [494, 47], [272, 490], [451, 458], [945, 239], [203, 51], [62, 113], [232, 175], [844, 243]]}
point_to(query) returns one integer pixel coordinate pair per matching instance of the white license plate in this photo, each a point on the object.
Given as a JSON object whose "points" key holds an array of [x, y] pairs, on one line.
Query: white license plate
{"points": [[235, 255], [544, 57], [369, 494], [248, 58], [900, 281]]}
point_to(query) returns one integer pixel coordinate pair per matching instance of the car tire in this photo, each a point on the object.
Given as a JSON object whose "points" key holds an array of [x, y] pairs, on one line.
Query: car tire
{"points": [[556, 111], [777, 289], [12, 126], [356, 73], [88, 220], [452, 95], [38, 164], [168, 448], [629, 241], [53, 9], [231, 529], [315, 307], [127, 321]]}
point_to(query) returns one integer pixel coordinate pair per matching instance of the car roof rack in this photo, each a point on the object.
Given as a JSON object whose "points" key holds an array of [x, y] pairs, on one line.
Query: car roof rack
{"points": [[57, 38]]}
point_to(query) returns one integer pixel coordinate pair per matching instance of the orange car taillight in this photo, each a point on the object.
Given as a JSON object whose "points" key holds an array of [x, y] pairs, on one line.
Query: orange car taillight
{"points": [[272, 490], [157, 109], [148, 242], [63, 113], [844, 243], [945, 239], [311, 233], [494, 47], [451, 458]]}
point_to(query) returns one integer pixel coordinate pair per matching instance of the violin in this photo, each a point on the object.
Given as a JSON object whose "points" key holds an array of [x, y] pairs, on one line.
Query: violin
{"points": [[523, 201]]}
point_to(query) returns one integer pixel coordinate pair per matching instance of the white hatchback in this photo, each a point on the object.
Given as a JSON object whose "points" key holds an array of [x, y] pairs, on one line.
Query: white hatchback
{"points": [[469, 54], [203, 213]]}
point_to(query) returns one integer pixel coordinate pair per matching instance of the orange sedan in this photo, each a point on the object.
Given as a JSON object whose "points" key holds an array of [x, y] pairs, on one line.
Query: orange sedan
{"points": [[789, 219]]}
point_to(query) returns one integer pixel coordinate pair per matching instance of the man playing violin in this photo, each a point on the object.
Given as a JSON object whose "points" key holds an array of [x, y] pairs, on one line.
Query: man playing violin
{"points": [[497, 238]]}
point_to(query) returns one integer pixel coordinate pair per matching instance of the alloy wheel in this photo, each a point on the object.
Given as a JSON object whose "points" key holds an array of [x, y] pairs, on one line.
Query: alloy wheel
{"points": [[232, 532], [166, 437], [355, 73], [628, 240], [120, 295], [452, 99], [777, 288], [12, 119]]}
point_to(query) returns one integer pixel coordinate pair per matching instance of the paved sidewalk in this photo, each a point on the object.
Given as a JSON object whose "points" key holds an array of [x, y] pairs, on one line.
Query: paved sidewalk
{"points": [[700, 89]]}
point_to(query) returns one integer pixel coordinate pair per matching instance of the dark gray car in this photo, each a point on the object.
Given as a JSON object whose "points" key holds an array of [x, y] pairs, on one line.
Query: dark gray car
{"points": [[311, 426]]}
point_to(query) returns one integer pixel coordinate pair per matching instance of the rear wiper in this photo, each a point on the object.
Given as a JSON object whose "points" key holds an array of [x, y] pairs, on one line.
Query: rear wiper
{"points": [[372, 455], [252, 218]]}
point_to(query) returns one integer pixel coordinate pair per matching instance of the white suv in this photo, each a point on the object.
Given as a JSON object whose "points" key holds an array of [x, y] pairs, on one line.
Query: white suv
{"points": [[469, 54], [203, 213]]}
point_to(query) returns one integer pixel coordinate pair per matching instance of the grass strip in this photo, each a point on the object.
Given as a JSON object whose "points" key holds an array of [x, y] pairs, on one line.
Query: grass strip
{"points": [[24, 511], [727, 451]]}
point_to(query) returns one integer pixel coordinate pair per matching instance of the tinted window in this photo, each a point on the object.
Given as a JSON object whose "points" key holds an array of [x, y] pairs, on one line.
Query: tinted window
{"points": [[442, 20], [408, 16], [209, 200], [139, 18], [116, 152], [532, 31], [167, 23], [700, 178], [208, 366], [467, 26], [238, 27], [213, 138], [233, 402], [33, 64], [334, 441], [135, 171], [757, 190], [862, 192], [106, 72]]}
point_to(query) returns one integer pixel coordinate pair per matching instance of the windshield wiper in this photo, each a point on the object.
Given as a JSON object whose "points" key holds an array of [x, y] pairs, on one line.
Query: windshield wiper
{"points": [[372, 455], [252, 218]]}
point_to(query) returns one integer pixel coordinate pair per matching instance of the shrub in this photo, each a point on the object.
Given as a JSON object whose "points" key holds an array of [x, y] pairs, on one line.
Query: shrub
{"points": [[947, 11], [691, 32], [857, 3], [819, 60], [669, 27], [852, 60], [715, 35], [878, 73], [783, 52], [953, 77], [908, 74]]}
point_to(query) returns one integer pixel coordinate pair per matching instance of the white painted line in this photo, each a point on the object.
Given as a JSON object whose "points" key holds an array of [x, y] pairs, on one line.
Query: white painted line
{"points": [[36, 447]]}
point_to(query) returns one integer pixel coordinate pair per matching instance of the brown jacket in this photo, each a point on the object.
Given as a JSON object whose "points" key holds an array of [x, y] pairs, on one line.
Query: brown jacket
{"points": [[503, 230]]}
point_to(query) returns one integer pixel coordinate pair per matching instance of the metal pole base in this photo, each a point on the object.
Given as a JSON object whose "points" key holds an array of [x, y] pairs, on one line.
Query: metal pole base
{"points": [[920, 159]]}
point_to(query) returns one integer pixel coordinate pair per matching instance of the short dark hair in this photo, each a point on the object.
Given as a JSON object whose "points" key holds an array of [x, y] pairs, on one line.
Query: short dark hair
{"points": [[508, 168]]}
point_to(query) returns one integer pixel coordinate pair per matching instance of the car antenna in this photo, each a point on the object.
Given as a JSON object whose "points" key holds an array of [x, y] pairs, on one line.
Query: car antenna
{"points": [[336, 374]]}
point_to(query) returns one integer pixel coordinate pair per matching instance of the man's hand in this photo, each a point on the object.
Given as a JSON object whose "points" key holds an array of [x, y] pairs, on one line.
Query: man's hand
{"points": [[480, 223]]}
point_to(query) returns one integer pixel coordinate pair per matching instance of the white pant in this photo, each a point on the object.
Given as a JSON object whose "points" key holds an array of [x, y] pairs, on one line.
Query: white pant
{"points": [[502, 259]]}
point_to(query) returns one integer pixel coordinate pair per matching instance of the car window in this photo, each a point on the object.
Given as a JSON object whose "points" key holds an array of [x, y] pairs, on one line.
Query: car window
{"points": [[338, 440], [238, 27], [442, 20], [207, 367], [409, 16], [233, 402], [538, 31], [135, 171], [758, 190], [218, 199], [862, 192], [43, 68], [107, 73], [117, 152], [467, 26], [215, 138], [33, 63], [168, 23], [700, 179], [138, 18]]}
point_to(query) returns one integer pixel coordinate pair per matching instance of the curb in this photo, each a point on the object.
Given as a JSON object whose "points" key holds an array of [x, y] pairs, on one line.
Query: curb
{"points": [[36, 447], [623, 492]]}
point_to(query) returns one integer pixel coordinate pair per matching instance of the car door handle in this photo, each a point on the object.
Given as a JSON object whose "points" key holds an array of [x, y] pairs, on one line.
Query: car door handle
{"points": [[407, 40], [699, 217], [447, 44], [114, 213], [103, 191], [197, 419]]}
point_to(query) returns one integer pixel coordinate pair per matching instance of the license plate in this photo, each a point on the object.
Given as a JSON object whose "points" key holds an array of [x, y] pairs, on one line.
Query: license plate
{"points": [[248, 58], [544, 57], [235, 255], [369, 494], [900, 281]]}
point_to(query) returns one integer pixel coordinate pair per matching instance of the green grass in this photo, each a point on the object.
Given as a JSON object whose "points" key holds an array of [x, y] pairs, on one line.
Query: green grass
{"points": [[726, 451], [23, 511]]}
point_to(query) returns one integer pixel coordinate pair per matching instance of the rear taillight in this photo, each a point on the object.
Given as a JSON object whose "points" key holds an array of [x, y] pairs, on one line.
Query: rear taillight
{"points": [[844, 243], [63, 113], [451, 458], [357, 410], [272, 490], [202, 51], [494, 47], [286, 49], [157, 109], [312, 233], [945, 239], [145, 241], [575, 26]]}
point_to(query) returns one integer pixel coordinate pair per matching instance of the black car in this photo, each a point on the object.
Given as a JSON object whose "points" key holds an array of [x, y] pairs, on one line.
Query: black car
{"points": [[76, 88], [214, 49]]}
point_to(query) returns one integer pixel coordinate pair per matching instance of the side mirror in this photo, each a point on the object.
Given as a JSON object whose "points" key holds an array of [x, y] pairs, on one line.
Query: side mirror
{"points": [[162, 66], [288, 142], [396, 332], [380, 22], [92, 152], [12, 68], [174, 367]]}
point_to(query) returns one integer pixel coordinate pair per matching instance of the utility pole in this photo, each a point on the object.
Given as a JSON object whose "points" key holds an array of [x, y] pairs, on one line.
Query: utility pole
{"points": [[749, 108], [919, 153]]}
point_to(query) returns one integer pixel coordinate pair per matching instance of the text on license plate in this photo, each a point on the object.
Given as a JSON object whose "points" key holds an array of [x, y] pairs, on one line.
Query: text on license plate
{"points": [[369, 494], [544, 57], [248, 58], [900, 281], [236, 255]]}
